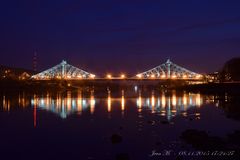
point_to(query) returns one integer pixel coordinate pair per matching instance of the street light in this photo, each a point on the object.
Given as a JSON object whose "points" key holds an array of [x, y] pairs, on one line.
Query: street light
{"points": [[139, 76], [123, 76], [109, 76], [174, 76], [92, 76], [163, 76], [199, 76]]}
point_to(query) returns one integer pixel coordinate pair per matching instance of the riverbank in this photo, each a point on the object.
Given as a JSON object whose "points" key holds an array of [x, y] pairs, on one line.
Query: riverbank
{"points": [[212, 88], [56, 86]]}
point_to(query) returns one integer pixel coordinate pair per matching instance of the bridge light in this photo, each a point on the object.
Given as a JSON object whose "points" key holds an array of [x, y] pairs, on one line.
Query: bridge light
{"points": [[79, 76], [109, 76], [152, 76], [92, 76], [69, 77], [174, 76], [163, 76], [199, 76], [184, 76], [123, 76], [139, 76]]}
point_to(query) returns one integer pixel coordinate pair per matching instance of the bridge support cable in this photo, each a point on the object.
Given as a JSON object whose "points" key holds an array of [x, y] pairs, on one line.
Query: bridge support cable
{"points": [[63, 71], [169, 70]]}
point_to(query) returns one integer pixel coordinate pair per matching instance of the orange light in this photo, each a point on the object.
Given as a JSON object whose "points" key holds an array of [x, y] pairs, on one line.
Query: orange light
{"points": [[123, 76], [174, 100], [109, 76], [163, 101], [92, 76], [199, 76], [174, 76], [139, 76], [123, 103], [152, 76], [109, 102], [58, 77], [163, 76]]}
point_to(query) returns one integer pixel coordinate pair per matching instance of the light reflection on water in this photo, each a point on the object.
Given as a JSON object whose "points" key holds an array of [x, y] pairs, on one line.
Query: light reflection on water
{"points": [[85, 115], [170, 106], [64, 105], [165, 105]]}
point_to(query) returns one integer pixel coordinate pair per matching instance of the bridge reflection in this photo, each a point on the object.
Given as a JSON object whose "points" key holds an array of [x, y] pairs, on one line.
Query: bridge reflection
{"points": [[169, 106], [64, 106], [166, 105]]}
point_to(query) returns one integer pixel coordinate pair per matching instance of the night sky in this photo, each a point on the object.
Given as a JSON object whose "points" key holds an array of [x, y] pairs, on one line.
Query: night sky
{"points": [[119, 36]]}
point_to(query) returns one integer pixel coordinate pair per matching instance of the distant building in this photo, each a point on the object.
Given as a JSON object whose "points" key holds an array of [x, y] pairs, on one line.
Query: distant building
{"points": [[24, 76], [15, 73], [213, 77]]}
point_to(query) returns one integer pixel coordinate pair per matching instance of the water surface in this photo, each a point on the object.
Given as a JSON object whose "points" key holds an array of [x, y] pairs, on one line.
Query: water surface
{"points": [[80, 124]]}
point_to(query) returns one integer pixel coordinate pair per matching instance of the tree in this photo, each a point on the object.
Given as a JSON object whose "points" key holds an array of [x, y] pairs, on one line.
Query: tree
{"points": [[231, 70]]}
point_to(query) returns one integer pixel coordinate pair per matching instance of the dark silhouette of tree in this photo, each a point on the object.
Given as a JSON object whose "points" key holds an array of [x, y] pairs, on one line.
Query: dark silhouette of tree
{"points": [[231, 70]]}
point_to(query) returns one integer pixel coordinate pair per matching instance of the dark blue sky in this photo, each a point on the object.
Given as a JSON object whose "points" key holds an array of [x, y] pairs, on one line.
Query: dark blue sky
{"points": [[120, 36]]}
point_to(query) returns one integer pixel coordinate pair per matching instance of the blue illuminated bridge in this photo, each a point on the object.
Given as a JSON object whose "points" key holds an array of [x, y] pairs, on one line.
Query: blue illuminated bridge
{"points": [[167, 70]]}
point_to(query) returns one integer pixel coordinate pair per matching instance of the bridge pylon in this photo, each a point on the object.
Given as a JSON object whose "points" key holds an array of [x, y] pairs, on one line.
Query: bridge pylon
{"points": [[63, 71], [169, 70]]}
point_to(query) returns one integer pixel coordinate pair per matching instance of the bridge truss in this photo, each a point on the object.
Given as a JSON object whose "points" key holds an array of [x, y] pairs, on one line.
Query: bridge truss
{"points": [[63, 71], [169, 70]]}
